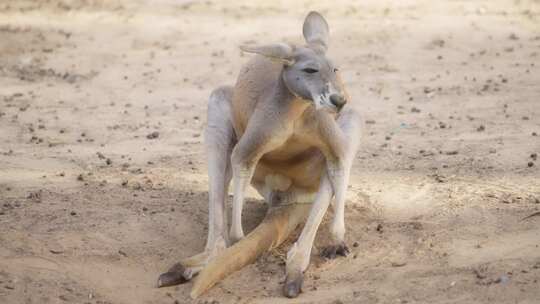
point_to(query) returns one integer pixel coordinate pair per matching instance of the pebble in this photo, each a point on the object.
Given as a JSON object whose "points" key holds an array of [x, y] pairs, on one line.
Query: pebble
{"points": [[153, 135], [398, 263], [502, 279]]}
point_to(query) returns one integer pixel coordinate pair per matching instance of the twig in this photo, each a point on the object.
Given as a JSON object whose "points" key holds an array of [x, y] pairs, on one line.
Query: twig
{"points": [[531, 215]]}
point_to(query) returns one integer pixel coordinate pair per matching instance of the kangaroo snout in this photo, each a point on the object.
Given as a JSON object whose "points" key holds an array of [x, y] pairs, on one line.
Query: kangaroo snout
{"points": [[338, 101]]}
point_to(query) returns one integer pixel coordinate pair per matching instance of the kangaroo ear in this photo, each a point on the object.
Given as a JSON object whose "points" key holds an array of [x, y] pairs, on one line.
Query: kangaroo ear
{"points": [[316, 31], [278, 51]]}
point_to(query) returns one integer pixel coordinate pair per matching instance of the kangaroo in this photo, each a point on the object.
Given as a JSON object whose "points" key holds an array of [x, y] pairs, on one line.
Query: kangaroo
{"points": [[288, 129]]}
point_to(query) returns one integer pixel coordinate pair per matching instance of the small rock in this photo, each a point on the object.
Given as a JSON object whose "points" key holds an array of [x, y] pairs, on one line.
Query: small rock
{"points": [[481, 128], [35, 196], [479, 274], [502, 279], [153, 135], [398, 263], [530, 164]]}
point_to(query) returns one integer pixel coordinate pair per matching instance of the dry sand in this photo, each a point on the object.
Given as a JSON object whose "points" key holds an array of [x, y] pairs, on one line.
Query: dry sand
{"points": [[92, 209]]}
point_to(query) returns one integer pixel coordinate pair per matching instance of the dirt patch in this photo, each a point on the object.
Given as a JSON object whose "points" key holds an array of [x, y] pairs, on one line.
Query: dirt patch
{"points": [[102, 173]]}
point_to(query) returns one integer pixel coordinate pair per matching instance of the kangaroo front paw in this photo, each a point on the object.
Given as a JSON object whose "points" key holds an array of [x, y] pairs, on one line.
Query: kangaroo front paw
{"points": [[332, 251], [178, 274], [293, 285]]}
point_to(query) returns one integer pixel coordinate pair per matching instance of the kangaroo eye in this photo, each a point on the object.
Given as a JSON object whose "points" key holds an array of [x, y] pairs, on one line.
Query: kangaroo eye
{"points": [[310, 70], [335, 70]]}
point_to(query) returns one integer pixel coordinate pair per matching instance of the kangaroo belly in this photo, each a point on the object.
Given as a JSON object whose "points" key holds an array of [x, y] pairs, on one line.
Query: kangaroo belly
{"points": [[301, 170]]}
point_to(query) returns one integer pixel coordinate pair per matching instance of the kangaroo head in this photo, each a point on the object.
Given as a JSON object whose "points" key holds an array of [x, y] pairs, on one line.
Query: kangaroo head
{"points": [[307, 72]]}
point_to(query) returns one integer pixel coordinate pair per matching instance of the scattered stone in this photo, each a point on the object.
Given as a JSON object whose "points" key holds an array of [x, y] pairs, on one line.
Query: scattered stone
{"points": [[513, 36], [439, 178], [530, 164], [80, 177], [398, 263], [153, 135], [502, 279], [534, 156], [453, 152], [35, 196], [479, 274], [481, 128]]}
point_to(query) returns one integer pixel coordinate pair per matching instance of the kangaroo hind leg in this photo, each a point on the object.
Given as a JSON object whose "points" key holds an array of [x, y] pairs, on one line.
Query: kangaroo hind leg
{"points": [[219, 142]]}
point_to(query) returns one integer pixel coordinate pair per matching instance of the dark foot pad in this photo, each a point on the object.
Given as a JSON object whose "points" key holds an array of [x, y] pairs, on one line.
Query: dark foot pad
{"points": [[332, 251], [293, 287], [174, 276]]}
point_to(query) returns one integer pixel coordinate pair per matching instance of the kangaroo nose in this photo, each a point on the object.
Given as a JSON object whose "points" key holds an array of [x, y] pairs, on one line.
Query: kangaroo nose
{"points": [[338, 101]]}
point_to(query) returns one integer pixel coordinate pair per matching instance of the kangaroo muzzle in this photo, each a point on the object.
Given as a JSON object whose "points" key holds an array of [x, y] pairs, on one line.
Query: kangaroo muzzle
{"points": [[338, 101]]}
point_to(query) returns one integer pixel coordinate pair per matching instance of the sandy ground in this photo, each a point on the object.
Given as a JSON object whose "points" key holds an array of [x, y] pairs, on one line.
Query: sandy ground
{"points": [[94, 204]]}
